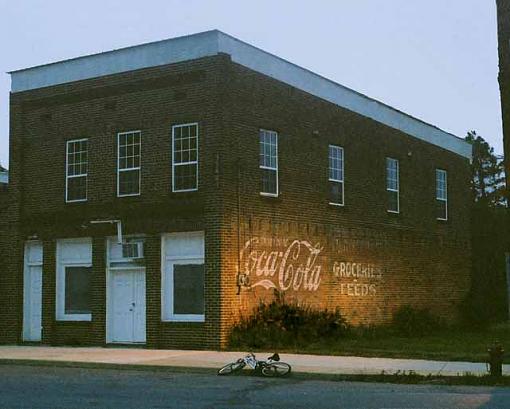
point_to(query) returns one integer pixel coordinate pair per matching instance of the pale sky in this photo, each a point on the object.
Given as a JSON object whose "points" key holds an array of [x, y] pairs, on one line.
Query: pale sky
{"points": [[434, 59]]}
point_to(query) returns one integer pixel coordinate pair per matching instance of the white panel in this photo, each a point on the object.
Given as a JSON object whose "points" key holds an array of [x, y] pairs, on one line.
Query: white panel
{"points": [[125, 59], [139, 308], [75, 250], [32, 292], [34, 252], [188, 244]]}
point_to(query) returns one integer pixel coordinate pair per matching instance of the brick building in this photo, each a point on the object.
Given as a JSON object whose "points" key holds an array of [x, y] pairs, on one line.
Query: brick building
{"points": [[186, 180]]}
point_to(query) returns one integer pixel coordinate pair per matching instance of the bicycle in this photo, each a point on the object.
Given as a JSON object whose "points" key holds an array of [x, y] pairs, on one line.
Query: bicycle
{"points": [[272, 367]]}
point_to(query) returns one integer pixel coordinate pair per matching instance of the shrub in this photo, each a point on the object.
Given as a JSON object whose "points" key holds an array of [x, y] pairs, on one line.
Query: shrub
{"points": [[281, 324], [409, 321]]}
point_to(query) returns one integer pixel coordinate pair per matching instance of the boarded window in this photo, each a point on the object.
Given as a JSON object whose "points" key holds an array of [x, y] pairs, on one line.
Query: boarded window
{"points": [[188, 288], [77, 290]]}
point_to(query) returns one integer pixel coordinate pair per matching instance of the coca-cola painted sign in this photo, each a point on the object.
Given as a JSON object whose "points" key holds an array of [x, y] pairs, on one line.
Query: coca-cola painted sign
{"points": [[294, 266]]}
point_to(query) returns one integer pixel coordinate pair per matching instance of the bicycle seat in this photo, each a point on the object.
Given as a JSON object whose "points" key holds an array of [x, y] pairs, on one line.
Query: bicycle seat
{"points": [[274, 357]]}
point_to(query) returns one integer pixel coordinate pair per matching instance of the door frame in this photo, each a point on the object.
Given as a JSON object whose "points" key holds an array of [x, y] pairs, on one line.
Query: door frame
{"points": [[109, 301], [27, 312]]}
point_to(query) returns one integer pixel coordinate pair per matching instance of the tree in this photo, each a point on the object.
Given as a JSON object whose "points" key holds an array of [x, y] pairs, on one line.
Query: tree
{"points": [[488, 173]]}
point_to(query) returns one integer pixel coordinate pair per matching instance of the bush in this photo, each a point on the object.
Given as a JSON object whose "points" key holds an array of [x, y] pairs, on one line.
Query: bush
{"points": [[413, 322], [280, 324]]}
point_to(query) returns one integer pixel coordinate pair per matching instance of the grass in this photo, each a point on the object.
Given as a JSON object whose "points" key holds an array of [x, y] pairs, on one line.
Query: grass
{"points": [[449, 344]]}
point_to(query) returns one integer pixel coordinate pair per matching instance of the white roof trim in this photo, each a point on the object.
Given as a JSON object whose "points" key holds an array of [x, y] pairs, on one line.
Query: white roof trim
{"points": [[213, 42]]}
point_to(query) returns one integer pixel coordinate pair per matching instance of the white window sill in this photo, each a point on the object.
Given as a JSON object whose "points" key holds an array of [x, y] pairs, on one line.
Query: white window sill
{"points": [[185, 190], [336, 204], [441, 219], [185, 318], [129, 195], [76, 201], [393, 211], [74, 317], [268, 194]]}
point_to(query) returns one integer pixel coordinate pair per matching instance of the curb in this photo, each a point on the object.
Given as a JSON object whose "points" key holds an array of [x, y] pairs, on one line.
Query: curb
{"points": [[402, 379], [105, 365]]}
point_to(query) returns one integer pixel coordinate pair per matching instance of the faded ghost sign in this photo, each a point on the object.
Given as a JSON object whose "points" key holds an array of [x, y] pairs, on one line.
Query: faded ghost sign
{"points": [[291, 266], [357, 279], [294, 265]]}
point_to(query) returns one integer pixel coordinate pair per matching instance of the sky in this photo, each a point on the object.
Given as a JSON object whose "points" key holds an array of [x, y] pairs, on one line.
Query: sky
{"points": [[434, 59]]}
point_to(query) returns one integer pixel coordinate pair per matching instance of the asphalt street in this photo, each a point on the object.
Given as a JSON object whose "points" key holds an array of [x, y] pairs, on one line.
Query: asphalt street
{"points": [[52, 387]]}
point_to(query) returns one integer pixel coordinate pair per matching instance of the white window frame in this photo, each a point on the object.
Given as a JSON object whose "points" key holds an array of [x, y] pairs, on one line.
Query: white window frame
{"points": [[195, 162], [445, 199], [342, 181], [75, 176], [167, 282], [397, 190], [268, 194], [61, 280], [139, 168]]}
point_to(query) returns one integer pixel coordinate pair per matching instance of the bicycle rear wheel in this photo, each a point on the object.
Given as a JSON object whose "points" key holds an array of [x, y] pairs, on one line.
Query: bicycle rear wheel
{"points": [[276, 369], [231, 368]]}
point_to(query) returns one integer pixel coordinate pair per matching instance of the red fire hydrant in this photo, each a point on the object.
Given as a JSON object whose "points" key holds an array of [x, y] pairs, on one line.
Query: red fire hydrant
{"points": [[496, 353]]}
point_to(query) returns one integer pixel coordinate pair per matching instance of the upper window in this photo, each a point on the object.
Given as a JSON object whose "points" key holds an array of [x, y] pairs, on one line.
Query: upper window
{"points": [[185, 157], [129, 163], [336, 175], [183, 277], [441, 195], [268, 141], [76, 170], [392, 185], [74, 270]]}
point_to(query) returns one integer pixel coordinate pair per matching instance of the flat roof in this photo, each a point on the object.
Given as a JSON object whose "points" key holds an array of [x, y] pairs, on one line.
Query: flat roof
{"points": [[214, 42]]}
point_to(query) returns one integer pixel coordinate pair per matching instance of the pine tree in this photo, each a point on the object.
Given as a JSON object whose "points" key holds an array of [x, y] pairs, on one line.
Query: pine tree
{"points": [[488, 173]]}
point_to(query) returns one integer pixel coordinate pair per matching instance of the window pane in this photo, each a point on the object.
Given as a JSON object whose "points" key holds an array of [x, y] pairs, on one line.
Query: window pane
{"points": [[336, 165], [391, 174], [336, 193], [269, 181], [130, 150], [392, 200], [268, 149], [441, 192], [185, 177], [77, 188], [77, 290], [129, 182], [188, 289]]}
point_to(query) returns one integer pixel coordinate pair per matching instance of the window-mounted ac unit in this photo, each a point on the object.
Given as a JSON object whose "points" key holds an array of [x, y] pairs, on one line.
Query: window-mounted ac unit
{"points": [[132, 249]]}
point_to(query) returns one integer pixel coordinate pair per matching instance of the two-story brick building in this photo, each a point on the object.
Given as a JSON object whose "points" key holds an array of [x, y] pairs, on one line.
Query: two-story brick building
{"points": [[186, 180]]}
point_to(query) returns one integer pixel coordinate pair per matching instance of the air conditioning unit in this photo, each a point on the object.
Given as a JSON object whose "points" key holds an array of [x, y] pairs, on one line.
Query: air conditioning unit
{"points": [[132, 249]]}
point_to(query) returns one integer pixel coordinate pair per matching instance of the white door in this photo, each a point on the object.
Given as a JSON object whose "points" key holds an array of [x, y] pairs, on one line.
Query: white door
{"points": [[32, 292], [127, 306]]}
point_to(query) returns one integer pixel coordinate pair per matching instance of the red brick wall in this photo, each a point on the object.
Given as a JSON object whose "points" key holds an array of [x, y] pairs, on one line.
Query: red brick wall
{"points": [[417, 259]]}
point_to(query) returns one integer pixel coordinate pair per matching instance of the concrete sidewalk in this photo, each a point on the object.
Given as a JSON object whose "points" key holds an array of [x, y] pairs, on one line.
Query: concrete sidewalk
{"points": [[317, 364]]}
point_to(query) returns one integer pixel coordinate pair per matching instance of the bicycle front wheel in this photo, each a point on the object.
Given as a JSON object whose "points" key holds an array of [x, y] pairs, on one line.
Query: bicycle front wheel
{"points": [[231, 368], [276, 369]]}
